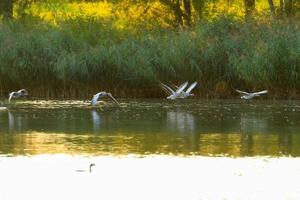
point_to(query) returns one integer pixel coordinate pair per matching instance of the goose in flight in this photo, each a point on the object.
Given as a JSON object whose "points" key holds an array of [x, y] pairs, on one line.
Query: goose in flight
{"points": [[102, 94], [174, 94], [250, 95], [187, 93], [17, 94]]}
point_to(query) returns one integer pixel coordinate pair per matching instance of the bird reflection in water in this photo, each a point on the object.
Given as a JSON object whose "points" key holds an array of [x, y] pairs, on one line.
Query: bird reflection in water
{"points": [[181, 122], [253, 124], [96, 120], [17, 123], [11, 122], [102, 121]]}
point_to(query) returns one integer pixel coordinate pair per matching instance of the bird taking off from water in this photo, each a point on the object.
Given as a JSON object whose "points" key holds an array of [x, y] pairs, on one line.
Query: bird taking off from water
{"points": [[174, 94], [250, 95], [187, 93], [102, 94], [17, 94]]}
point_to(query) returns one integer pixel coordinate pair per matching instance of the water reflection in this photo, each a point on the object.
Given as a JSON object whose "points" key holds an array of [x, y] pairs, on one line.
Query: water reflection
{"points": [[16, 123], [179, 121], [188, 128], [124, 144], [253, 123], [96, 120], [11, 123]]}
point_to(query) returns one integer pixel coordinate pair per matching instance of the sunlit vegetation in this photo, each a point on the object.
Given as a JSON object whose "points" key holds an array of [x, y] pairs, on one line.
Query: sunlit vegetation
{"points": [[72, 49]]}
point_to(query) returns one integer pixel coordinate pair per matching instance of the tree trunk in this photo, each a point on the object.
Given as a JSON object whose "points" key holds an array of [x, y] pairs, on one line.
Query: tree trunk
{"points": [[178, 14], [198, 5], [281, 5], [187, 12], [288, 5], [6, 8], [249, 8], [272, 8]]}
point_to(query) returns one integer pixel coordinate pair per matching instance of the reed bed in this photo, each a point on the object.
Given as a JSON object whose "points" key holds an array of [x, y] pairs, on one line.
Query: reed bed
{"points": [[79, 56]]}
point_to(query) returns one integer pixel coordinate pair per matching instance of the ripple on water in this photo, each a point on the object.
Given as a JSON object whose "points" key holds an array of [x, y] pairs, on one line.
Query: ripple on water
{"points": [[192, 126]]}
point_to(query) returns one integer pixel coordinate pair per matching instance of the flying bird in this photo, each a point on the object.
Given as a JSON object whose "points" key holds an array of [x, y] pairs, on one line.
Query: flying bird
{"points": [[187, 93], [250, 95], [97, 96], [174, 94], [17, 94]]}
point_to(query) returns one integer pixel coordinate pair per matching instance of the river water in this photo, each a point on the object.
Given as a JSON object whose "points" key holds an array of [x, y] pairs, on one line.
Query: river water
{"points": [[146, 127]]}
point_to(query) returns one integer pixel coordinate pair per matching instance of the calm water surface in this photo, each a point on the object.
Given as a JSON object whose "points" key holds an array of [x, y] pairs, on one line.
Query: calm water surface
{"points": [[183, 127]]}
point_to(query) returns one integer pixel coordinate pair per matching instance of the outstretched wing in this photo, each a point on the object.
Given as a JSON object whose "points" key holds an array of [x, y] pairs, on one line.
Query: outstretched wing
{"points": [[242, 92], [167, 91], [181, 87], [170, 90], [23, 92], [95, 98], [191, 87], [261, 92], [110, 96], [10, 96], [175, 86]]}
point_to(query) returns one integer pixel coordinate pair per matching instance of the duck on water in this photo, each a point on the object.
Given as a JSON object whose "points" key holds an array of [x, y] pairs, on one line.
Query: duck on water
{"points": [[90, 168]]}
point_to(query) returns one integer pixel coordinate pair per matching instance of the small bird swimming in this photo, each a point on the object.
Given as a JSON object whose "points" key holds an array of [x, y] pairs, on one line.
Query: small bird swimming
{"points": [[102, 94], [90, 168], [250, 95], [174, 94], [17, 94], [185, 94]]}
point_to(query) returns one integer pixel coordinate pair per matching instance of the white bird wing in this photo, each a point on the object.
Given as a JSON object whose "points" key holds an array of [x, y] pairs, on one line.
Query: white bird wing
{"points": [[10, 96], [261, 92], [167, 91], [191, 87], [22, 92], [168, 88], [109, 95], [175, 86], [95, 98], [181, 87], [242, 92]]}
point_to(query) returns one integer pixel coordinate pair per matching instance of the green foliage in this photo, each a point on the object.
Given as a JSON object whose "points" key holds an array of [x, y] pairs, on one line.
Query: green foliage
{"points": [[90, 54]]}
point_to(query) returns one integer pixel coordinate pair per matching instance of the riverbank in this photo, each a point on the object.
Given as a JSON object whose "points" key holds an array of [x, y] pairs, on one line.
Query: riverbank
{"points": [[151, 177], [222, 54]]}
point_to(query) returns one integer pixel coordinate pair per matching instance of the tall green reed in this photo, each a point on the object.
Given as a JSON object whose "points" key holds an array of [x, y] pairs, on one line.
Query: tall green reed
{"points": [[82, 55]]}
